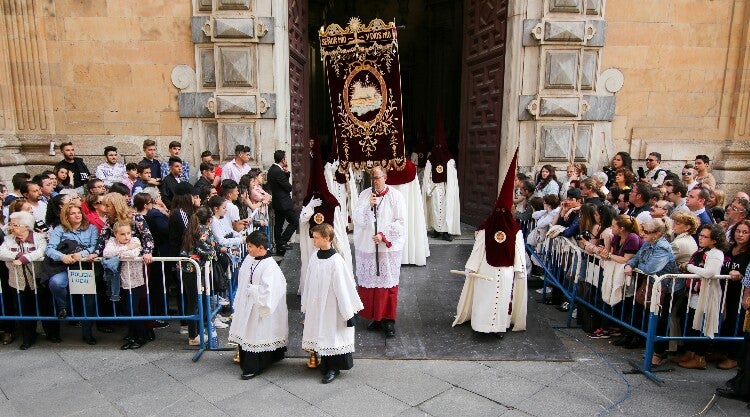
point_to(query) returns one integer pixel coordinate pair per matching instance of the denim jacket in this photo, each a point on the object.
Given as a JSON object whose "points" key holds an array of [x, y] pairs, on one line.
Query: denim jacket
{"points": [[656, 259], [86, 237]]}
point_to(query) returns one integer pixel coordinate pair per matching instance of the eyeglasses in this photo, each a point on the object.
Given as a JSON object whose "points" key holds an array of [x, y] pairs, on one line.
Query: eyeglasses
{"points": [[687, 173], [651, 160], [11, 225], [733, 208]]}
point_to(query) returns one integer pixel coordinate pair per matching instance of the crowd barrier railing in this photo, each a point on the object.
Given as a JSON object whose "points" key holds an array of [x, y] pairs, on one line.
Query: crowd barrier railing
{"points": [[89, 300], [657, 308]]}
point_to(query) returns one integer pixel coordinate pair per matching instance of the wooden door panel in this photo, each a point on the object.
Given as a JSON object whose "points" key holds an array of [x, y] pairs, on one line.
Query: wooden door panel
{"points": [[482, 74], [298, 93]]}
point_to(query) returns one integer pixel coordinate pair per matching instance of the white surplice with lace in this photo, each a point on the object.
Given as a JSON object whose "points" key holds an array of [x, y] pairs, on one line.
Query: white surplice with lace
{"points": [[391, 209], [329, 299], [260, 322]]}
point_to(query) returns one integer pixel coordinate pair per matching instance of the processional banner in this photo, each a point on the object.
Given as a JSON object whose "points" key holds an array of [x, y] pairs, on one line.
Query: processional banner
{"points": [[364, 83]]}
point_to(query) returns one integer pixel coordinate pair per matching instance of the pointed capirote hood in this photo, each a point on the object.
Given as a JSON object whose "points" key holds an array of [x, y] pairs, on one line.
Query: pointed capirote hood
{"points": [[501, 227]]}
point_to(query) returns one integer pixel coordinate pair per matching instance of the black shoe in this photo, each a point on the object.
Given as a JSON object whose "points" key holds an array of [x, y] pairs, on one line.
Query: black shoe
{"points": [[249, 375], [90, 340], [53, 339], [329, 376], [499, 335], [622, 340], [25, 346], [137, 344], [435, 234], [160, 324], [636, 342], [62, 313], [150, 335], [447, 237], [105, 329], [390, 328], [728, 393], [375, 326]]}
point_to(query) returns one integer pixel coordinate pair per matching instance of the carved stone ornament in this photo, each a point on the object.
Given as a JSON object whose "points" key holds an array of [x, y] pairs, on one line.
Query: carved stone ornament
{"points": [[570, 32], [183, 77]]}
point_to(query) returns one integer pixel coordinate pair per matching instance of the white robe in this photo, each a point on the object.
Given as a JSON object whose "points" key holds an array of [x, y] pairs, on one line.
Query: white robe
{"points": [[342, 192], [391, 222], [442, 208], [306, 248], [260, 315], [416, 249], [486, 303], [330, 298]]}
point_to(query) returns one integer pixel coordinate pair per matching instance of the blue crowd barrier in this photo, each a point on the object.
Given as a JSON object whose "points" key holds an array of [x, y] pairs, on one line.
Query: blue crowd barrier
{"points": [[587, 280]]}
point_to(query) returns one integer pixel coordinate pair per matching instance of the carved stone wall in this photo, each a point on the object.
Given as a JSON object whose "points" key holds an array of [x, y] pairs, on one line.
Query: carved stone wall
{"points": [[230, 98], [566, 104]]}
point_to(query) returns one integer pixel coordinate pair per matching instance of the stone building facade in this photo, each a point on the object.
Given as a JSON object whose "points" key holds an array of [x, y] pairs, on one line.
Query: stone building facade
{"points": [[582, 79]]}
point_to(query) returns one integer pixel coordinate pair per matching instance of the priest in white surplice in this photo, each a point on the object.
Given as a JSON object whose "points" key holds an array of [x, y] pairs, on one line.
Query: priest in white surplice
{"points": [[321, 206], [416, 249], [495, 300], [378, 289], [329, 302], [260, 326], [440, 189]]}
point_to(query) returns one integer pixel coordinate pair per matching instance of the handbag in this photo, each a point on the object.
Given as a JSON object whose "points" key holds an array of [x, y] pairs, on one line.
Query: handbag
{"points": [[52, 267], [643, 293]]}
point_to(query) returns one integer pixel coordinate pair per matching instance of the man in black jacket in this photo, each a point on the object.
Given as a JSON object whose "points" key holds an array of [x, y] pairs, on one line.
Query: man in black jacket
{"points": [[281, 200], [169, 182], [75, 166]]}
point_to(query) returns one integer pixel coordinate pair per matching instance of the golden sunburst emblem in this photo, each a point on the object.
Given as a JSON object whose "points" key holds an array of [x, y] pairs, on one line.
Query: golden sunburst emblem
{"points": [[319, 218], [500, 237], [439, 169]]}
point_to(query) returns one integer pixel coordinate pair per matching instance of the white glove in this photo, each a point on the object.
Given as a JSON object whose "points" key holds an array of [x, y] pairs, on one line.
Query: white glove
{"points": [[315, 202]]}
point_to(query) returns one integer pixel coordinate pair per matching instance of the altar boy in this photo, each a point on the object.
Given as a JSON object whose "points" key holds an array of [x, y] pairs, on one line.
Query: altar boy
{"points": [[260, 325], [329, 302]]}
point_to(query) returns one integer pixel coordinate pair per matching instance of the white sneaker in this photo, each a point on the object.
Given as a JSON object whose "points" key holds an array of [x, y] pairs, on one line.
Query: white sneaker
{"points": [[223, 301], [222, 318], [183, 330], [541, 290], [196, 341], [220, 324]]}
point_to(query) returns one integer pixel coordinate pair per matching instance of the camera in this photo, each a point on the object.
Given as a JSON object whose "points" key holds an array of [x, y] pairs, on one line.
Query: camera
{"points": [[585, 235], [641, 173], [256, 223]]}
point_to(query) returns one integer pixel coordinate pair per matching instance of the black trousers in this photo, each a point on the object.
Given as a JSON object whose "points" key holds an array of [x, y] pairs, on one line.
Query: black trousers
{"points": [[256, 362], [281, 236]]}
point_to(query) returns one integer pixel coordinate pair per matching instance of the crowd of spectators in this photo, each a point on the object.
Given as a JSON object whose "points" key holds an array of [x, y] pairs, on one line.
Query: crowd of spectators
{"points": [[114, 222], [655, 222]]}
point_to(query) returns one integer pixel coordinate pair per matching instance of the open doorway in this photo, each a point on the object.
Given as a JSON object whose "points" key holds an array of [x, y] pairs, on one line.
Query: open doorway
{"points": [[429, 40]]}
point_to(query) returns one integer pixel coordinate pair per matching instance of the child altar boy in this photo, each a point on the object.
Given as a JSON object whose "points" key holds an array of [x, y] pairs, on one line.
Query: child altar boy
{"points": [[329, 302], [260, 326]]}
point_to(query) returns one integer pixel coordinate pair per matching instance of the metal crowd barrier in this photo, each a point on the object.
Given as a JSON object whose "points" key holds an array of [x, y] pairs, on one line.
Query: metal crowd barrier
{"points": [[600, 287], [84, 286]]}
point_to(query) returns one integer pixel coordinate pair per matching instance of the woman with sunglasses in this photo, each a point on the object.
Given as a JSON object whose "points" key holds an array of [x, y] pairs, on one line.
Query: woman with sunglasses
{"points": [[705, 294], [655, 257]]}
